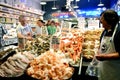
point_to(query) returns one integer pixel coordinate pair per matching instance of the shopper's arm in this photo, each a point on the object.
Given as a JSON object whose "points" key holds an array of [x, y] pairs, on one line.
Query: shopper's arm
{"points": [[19, 35], [22, 36]]}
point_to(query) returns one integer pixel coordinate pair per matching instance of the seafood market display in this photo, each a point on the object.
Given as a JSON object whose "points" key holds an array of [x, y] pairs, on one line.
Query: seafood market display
{"points": [[16, 64], [50, 66], [71, 45], [39, 45], [91, 43], [5, 53], [40, 62]]}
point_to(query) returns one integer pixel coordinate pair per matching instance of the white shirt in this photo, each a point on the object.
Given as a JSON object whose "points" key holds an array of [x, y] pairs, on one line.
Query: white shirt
{"points": [[41, 30]]}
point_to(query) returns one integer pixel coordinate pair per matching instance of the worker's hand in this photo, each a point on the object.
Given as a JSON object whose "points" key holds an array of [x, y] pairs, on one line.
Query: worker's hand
{"points": [[100, 57]]}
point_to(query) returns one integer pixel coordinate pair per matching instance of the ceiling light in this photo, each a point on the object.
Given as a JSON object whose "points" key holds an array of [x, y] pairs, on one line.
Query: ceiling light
{"points": [[76, 7], [54, 8], [77, 0], [78, 10], [100, 4], [98, 8], [43, 3]]}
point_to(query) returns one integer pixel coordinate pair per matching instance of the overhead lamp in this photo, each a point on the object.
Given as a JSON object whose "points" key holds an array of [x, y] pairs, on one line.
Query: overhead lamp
{"points": [[77, 0], [43, 3], [98, 8], [78, 10], [54, 8], [76, 7], [100, 4]]}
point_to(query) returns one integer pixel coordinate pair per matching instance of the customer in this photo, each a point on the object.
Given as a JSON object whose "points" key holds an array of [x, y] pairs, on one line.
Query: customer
{"points": [[24, 31], [109, 54], [33, 27], [57, 25], [51, 28], [41, 29]]}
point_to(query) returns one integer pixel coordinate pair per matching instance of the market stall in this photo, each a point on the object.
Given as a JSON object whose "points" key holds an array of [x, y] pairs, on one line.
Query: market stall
{"points": [[62, 56]]}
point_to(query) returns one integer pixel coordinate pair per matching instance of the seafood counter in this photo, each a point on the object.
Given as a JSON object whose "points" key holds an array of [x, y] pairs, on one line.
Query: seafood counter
{"points": [[36, 61], [91, 43], [38, 45], [50, 66], [71, 46], [15, 65], [40, 60]]}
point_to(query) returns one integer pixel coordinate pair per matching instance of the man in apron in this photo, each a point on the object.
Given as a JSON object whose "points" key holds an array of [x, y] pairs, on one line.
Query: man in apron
{"points": [[109, 52]]}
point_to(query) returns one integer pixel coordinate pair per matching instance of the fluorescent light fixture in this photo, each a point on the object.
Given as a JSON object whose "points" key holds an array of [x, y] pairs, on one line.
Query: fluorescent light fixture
{"points": [[78, 10], [77, 0], [53, 8], [98, 8], [43, 3], [75, 6], [100, 4]]}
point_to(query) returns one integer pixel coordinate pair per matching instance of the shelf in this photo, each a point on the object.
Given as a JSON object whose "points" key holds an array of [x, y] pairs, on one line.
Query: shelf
{"points": [[23, 10], [15, 13], [6, 15]]}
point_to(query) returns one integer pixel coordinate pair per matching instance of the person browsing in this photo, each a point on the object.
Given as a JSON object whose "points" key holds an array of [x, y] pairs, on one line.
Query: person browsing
{"points": [[24, 31]]}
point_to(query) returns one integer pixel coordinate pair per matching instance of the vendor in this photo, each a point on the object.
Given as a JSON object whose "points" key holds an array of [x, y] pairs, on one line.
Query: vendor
{"points": [[24, 31], [109, 54]]}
